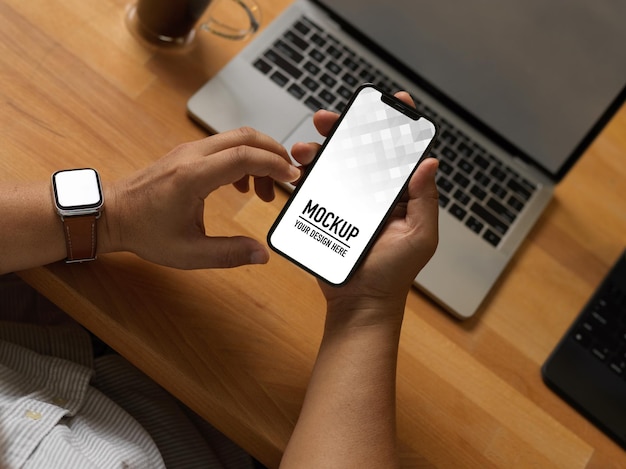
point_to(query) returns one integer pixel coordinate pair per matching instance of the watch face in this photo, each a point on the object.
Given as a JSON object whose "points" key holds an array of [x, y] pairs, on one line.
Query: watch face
{"points": [[77, 189]]}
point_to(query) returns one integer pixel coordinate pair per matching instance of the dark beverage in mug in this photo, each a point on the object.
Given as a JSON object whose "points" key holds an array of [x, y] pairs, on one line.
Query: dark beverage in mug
{"points": [[168, 19]]}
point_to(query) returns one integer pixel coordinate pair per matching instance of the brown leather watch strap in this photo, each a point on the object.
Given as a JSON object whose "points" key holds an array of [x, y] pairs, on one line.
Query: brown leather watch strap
{"points": [[80, 237]]}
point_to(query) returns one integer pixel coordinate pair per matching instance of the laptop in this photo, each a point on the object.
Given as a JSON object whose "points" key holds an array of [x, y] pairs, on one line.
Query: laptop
{"points": [[519, 90]]}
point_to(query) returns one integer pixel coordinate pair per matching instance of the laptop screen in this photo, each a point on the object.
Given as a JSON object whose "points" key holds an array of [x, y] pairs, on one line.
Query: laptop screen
{"points": [[539, 74]]}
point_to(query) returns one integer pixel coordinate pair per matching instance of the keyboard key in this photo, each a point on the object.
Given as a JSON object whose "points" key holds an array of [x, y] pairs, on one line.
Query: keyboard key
{"points": [[478, 192], [284, 64], [515, 204], [367, 76], [448, 153], [445, 167], [341, 106], [482, 179], [444, 185], [599, 352], [334, 52], [344, 92], [313, 104], [319, 40], [498, 173], [461, 197], [474, 224], [460, 180], [618, 367], [317, 55], [332, 39], [583, 337], [303, 28], [501, 210], [279, 79], [528, 185], [310, 83], [466, 167], [384, 86], [311, 68], [519, 189], [289, 52], [296, 91], [333, 68], [491, 238], [498, 190], [327, 96], [458, 212], [465, 149], [481, 161], [350, 64], [262, 65], [328, 80], [490, 218], [350, 80], [447, 136], [310, 23], [296, 40]]}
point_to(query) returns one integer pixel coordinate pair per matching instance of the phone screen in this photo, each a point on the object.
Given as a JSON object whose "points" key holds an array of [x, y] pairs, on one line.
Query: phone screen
{"points": [[336, 211]]}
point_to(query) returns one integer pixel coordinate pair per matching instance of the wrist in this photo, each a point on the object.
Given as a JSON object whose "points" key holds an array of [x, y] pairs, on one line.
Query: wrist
{"points": [[365, 312], [109, 231]]}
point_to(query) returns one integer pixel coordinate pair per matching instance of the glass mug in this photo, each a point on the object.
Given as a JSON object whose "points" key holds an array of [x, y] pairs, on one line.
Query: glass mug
{"points": [[172, 22]]}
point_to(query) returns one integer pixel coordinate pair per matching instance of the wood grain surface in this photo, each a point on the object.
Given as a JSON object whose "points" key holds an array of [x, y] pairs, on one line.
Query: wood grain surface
{"points": [[238, 345]]}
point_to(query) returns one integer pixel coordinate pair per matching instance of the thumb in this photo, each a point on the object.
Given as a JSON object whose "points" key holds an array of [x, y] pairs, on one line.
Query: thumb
{"points": [[423, 205], [226, 252]]}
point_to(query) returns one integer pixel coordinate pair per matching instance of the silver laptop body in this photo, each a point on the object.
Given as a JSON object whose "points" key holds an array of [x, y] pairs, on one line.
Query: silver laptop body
{"points": [[465, 266]]}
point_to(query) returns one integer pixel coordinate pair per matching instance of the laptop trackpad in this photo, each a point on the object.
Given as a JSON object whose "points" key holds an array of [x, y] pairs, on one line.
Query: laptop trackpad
{"points": [[304, 132]]}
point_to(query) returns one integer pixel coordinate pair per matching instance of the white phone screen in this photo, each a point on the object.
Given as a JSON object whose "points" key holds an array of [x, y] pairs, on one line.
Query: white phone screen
{"points": [[335, 213]]}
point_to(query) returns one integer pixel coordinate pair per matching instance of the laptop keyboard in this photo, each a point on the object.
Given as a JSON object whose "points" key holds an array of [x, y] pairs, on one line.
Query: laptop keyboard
{"points": [[475, 187]]}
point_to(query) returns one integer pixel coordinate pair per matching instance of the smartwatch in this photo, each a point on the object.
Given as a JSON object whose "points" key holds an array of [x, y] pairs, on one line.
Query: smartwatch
{"points": [[78, 199]]}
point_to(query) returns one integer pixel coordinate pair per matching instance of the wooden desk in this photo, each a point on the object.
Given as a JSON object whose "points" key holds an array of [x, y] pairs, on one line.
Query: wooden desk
{"points": [[238, 345]]}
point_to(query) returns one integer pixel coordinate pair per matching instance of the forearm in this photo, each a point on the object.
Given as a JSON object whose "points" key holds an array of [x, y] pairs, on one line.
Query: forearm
{"points": [[348, 417], [31, 231]]}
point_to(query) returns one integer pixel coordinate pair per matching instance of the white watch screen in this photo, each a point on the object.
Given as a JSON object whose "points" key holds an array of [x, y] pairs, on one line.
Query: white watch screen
{"points": [[77, 188]]}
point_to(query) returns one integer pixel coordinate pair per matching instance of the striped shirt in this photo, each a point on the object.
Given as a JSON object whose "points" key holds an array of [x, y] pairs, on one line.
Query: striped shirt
{"points": [[61, 408]]}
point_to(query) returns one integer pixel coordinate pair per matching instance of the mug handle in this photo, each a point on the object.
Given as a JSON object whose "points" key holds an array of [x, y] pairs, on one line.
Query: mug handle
{"points": [[253, 13]]}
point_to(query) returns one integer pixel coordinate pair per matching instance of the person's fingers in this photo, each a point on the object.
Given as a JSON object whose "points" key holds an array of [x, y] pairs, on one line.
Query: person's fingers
{"points": [[324, 121], [405, 97], [223, 252], [422, 185], [304, 153], [245, 136], [423, 204], [234, 164]]}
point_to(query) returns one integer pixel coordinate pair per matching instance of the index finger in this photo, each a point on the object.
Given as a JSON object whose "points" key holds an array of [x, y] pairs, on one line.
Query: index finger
{"points": [[241, 136], [232, 164]]}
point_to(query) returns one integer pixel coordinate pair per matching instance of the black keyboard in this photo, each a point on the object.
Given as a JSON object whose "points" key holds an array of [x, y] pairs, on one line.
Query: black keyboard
{"points": [[601, 330], [588, 367], [474, 186], [314, 67]]}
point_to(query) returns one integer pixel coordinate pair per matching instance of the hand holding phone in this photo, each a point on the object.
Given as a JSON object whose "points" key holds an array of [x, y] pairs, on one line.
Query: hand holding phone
{"points": [[349, 190]]}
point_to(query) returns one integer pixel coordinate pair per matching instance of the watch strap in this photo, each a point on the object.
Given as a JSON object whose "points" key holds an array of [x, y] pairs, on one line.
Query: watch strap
{"points": [[80, 237]]}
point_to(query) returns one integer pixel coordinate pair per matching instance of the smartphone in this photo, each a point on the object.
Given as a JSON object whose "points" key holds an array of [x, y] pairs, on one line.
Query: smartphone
{"points": [[364, 165]]}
